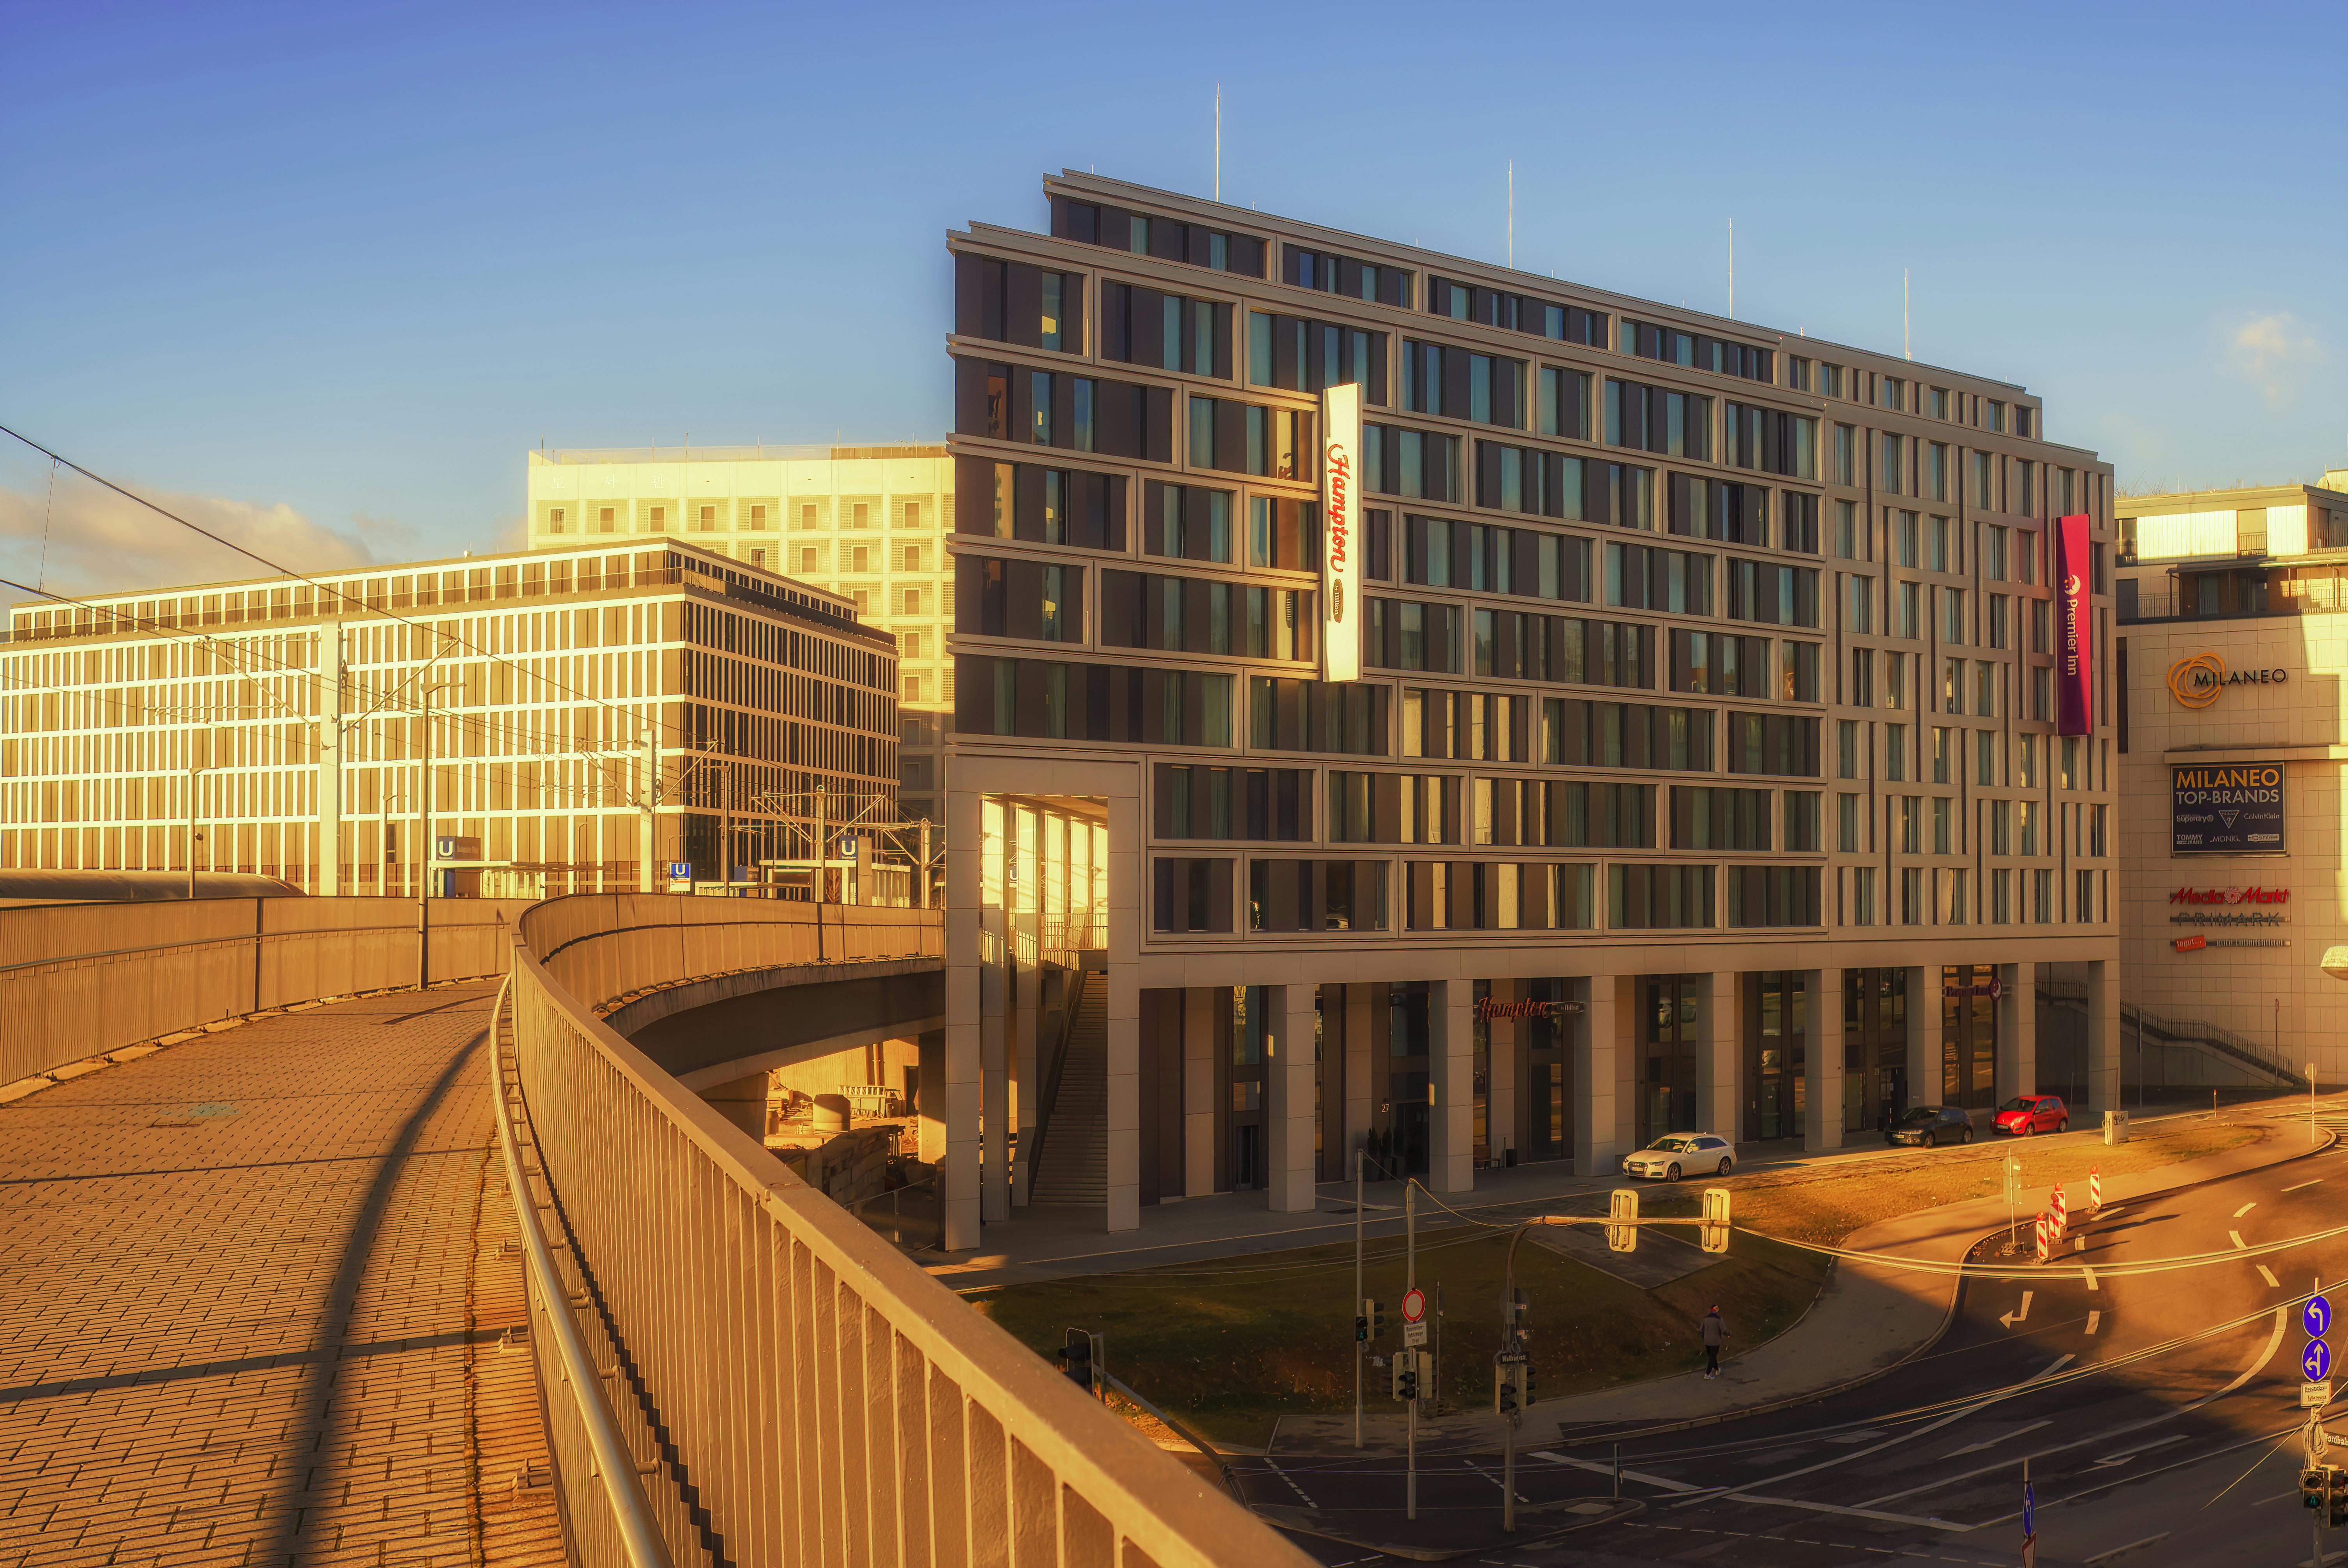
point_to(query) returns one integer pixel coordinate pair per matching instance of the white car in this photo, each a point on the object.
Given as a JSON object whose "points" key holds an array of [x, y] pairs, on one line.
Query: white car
{"points": [[1678, 1154]]}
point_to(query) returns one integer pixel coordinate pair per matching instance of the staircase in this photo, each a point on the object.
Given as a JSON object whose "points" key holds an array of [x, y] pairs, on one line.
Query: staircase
{"points": [[1072, 1138]]}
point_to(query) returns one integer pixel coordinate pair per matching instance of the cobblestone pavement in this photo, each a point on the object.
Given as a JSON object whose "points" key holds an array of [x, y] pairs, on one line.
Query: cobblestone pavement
{"points": [[253, 1291]]}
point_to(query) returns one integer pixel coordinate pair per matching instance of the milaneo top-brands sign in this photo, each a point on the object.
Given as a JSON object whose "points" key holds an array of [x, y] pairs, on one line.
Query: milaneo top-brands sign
{"points": [[2075, 639], [1340, 532], [2226, 808]]}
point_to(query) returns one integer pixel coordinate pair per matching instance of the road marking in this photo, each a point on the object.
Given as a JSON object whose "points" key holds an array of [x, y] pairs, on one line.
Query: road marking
{"points": [[1666, 1482], [2272, 1282], [2143, 1475], [1272, 1466], [2078, 1243], [2246, 1208], [1495, 1479], [2315, 1183], [1855, 1436], [2089, 1274], [2011, 1318], [1839, 1508], [2094, 1318], [2141, 1448], [2239, 1241], [1992, 1442], [2123, 1550]]}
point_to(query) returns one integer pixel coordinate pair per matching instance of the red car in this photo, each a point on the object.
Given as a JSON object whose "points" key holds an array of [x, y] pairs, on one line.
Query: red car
{"points": [[2031, 1114]]}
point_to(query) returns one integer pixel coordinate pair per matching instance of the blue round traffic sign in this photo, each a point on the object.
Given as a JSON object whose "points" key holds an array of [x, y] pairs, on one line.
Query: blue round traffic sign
{"points": [[2317, 1362], [2315, 1317]]}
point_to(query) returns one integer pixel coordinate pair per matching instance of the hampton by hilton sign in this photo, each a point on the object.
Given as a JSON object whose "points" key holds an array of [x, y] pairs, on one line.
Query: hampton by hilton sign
{"points": [[1341, 526]]}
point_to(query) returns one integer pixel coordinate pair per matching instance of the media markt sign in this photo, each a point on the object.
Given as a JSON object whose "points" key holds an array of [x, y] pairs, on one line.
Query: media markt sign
{"points": [[2231, 808]]}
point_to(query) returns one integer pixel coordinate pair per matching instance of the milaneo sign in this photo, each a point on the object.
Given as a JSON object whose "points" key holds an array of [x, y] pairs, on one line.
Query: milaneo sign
{"points": [[2230, 896], [2196, 679], [1340, 532]]}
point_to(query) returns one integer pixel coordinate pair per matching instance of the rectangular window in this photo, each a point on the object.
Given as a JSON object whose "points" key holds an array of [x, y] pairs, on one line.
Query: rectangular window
{"points": [[1642, 577], [1889, 473], [1846, 454], [1846, 542], [1709, 818], [1771, 440], [1565, 403], [1780, 744], [1659, 897], [1773, 895]]}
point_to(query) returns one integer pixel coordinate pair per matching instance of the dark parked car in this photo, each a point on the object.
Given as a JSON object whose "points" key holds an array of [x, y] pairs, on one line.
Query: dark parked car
{"points": [[1930, 1124], [2030, 1113]]}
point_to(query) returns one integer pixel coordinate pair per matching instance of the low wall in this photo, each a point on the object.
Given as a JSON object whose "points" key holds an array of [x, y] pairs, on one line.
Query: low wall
{"points": [[79, 979]]}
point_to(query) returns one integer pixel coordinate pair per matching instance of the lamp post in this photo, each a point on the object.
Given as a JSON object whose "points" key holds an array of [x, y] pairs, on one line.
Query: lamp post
{"points": [[423, 856], [193, 773]]}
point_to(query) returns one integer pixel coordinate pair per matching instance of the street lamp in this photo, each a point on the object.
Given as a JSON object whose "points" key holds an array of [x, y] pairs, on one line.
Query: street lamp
{"points": [[423, 856], [193, 773]]}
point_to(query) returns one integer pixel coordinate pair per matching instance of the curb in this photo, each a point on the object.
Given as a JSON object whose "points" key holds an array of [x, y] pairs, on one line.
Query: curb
{"points": [[1948, 1318]]}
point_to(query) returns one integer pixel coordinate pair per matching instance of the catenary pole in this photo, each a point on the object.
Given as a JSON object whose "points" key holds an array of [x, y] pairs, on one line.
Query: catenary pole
{"points": [[1360, 1302], [1410, 1283]]}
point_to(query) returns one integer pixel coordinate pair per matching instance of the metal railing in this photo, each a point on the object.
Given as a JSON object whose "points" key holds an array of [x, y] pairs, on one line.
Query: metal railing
{"points": [[802, 1390]]}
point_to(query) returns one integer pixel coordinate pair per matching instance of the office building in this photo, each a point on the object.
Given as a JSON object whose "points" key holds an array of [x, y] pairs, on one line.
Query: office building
{"points": [[2233, 649], [1677, 723], [867, 523], [591, 717]]}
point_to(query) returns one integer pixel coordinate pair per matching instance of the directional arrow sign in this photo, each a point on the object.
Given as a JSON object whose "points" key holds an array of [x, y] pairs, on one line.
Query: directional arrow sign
{"points": [[2317, 1361], [2011, 1318], [2315, 1317]]}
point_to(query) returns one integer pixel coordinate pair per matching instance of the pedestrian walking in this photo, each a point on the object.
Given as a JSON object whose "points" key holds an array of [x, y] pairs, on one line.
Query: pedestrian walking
{"points": [[1715, 1330]]}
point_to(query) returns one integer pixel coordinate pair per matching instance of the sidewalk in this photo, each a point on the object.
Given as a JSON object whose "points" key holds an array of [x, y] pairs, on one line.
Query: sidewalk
{"points": [[1046, 1242], [1869, 1318]]}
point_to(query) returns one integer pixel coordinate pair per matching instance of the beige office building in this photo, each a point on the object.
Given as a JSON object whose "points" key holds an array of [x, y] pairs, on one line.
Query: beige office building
{"points": [[589, 716], [2233, 649], [1690, 752], [867, 523]]}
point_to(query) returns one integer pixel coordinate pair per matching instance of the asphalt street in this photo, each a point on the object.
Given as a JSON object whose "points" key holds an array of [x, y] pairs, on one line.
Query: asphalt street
{"points": [[2158, 1414]]}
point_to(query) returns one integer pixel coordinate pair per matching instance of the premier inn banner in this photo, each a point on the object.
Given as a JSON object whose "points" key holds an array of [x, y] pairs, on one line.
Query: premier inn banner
{"points": [[2074, 635], [1341, 533]]}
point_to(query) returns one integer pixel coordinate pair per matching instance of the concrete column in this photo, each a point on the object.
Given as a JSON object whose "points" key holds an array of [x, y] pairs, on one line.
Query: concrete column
{"points": [[2103, 1036], [1288, 1100], [1924, 1087], [930, 1097], [1602, 1061], [328, 726], [1199, 1089], [1364, 1061], [965, 936], [744, 1104], [1027, 1002], [1719, 1108], [1451, 1071], [1822, 1119], [1125, 832], [1506, 1037], [2017, 1031], [995, 1069]]}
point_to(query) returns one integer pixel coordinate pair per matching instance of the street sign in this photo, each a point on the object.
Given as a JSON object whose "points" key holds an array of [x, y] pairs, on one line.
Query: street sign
{"points": [[2316, 1361], [2316, 1396], [1414, 1333], [1414, 1305], [2315, 1317], [680, 871]]}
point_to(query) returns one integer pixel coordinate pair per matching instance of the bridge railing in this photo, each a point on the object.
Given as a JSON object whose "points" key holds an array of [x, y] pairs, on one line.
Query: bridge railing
{"points": [[77, 981], [789, 1387]]}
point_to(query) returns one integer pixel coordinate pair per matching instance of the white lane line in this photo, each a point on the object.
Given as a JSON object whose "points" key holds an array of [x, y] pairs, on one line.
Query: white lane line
{"points": [[1274, 1467], [2093, 1319], [2108, 1210], [2090, 1276], [2239, 1241], [1992, 1442], [2246, 1208], [2145, 1475], [1666, 1482], [1852, 1512], [2272, 1282], [1495, 1479], [2139, 1449], [2119, 1550], [2315, 1183]]}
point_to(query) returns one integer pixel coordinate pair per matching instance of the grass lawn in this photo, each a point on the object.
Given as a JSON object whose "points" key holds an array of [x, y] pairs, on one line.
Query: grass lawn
{"points": [[1233, 1343]]}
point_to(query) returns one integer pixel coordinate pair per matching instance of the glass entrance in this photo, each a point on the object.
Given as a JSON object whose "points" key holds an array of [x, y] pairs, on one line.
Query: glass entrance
{"points": [[1874, 1048], [1777, 1033], [1668, 1025], [1545, 1113]]}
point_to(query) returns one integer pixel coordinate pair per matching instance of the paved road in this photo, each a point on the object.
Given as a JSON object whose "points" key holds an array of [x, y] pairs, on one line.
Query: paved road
{"points": [[2149, 1405], [251, 1289]]}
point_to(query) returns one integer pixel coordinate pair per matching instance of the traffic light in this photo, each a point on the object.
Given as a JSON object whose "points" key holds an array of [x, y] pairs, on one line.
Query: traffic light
{"points": [[1504, 1388], [1361, 1327], [2312, 1485], [1623, 1204], [2336, 1498], [1528, 1379], [1715, 1229], [1375, 1311], [1406, 1375], [1076, 1358]]}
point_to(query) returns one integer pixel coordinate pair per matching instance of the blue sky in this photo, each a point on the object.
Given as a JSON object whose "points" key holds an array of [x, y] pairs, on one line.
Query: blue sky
{"points": [[322, 275]]}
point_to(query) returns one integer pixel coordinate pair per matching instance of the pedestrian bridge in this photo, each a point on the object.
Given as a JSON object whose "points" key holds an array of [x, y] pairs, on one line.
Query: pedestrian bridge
{"points": [[323, 1268]]}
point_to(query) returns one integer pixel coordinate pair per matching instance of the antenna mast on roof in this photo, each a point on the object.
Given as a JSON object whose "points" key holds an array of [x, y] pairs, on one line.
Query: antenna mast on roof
{"points": [[1219, 141], [1907, 350], [1512, 213], [1732, 269]]}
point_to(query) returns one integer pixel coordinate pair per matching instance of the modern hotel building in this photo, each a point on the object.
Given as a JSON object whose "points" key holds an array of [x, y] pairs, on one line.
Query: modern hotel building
{"points": [[2233, 734], [589, 716], [1729, 747]]}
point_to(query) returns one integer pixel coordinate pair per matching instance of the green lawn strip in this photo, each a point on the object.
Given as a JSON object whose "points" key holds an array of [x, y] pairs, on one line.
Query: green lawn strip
{"points": [[1233, 1343]]}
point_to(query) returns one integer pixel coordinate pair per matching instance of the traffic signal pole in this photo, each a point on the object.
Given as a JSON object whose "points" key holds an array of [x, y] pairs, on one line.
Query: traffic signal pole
{"points": [[1410, 1283], [1358, 1298]]}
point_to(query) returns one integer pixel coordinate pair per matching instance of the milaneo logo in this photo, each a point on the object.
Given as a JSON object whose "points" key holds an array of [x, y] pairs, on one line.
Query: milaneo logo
{"points": [[2230, 896], [2196, 679], [1339, 463]]}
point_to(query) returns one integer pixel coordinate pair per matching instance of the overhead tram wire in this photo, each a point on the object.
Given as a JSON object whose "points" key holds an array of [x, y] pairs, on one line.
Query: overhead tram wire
{"points": [[335, 592]]}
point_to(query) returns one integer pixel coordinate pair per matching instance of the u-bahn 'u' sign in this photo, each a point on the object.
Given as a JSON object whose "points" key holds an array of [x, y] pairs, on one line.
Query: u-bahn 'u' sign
{"points": [[2229, 808]]}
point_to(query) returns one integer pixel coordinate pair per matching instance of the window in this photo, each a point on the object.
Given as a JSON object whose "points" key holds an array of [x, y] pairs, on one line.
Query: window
{"points": [[656, 519], [1846, 454], [1643, 576], [1952, 616], [1891, 391], [1984, 486], [1994, 563], [758, 558], [808, 516], [807, 557], [1717, 355], [1141, 325], [1656, 419], [1862, 677], [1526, 479], [1564, 402], [1773, 895], [2023, 494], [1719, 663], [1248, 438], [1798, 373], [1847, 824], [1010, 302], [1862, 896], [1889, 475], [1657, 897], [1305, 355], [1201, 801], [1829, 380], [1846, 530], [1938, 403], [1053, 505], [1770, 594], [1858, 604], [1334, 274], [1736, 514], [912, 515], [1621, 735], [1188, 521], [1936, 470], [1781, 744], [1984, 689], [1709, 818], [1414, 463], [1297, 715], [1029, 599], [554, 520], [1895, 753], [1459, 384], [1772, 440], [1849, 746]]}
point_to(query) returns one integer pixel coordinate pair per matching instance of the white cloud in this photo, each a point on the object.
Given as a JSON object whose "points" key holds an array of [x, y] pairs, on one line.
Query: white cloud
{"points": [[2272, 352], [89, 540]]}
